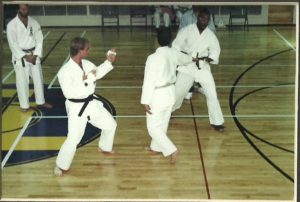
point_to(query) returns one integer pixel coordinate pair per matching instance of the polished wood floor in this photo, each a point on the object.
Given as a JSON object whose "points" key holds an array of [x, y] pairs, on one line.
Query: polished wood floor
{"points": [[252, 159]]}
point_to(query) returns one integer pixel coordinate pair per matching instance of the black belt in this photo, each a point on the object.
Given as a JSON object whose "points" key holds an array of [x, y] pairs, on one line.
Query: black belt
{"points": [[86, 102], [26, 51], [197, 63]]}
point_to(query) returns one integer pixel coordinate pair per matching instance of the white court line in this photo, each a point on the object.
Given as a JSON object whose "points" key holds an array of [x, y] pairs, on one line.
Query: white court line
{"points": [[12, 71], [46, 35], [186, 116], [15, 142], [137, 87], [286, 41], [67, 58], [8, 75], [239, 65], [230, 65]]}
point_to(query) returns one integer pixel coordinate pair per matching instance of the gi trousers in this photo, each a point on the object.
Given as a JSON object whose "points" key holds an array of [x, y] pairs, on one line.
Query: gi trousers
{"points": [[166, 19], [185, 81], [76, 126], [22, 82], [158, 121]]}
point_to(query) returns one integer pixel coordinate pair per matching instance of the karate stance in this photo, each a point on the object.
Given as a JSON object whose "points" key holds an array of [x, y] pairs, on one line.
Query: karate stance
{"points": [[25, 39], [77, 79], [198, 40], [158, 92]]}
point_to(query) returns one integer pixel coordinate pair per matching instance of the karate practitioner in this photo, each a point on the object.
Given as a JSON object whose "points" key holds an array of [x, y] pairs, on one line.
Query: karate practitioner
{"points": [[198, 40], [77, 79], [25, 40], [158, 92]]}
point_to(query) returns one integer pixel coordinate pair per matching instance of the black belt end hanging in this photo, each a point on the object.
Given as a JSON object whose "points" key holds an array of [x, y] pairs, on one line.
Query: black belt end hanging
{"points": [[23, 62], [197, 63]]}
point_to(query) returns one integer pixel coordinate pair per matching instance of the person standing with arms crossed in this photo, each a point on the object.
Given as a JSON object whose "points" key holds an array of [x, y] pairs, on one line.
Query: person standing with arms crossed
{"points": [[25, 41]]}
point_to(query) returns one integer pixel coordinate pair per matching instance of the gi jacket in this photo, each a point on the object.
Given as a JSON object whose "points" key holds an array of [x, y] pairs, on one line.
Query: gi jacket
{"points": [[70, 77], [160, 72], [192, 42], [20, 37]]}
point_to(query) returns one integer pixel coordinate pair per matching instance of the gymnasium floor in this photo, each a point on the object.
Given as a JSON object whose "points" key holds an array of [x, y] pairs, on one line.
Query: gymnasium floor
{"points": [[252, 159]]}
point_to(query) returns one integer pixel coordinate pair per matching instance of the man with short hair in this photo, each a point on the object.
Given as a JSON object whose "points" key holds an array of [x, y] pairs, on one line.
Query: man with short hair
{"points": [[158, 92], [199, 41], [77, 79], [25, 40]]}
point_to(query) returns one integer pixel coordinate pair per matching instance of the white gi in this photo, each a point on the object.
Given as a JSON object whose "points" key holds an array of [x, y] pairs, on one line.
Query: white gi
{"points": [[159, 93], [21, 39], [74, 87], [205, 44]]}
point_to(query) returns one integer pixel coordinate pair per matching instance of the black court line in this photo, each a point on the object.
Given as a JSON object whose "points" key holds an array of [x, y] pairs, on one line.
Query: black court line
{"points": [[53, 47], [36, 112], [200, 151], [42, 61], [252, 134], [240, 126], [9, 102]]}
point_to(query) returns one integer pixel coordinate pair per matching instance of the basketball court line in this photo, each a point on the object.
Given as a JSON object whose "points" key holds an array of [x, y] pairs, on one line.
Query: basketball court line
{"points": [[127, 116], [285, 40], [200, 151], [13, 70], [189, 116], [230, 65], [67, 58], [15, 142], [137, 87], [233, 65]]}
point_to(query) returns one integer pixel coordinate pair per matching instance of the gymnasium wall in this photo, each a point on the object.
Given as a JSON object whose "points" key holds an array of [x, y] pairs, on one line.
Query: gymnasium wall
{"points": [[91, 15]]}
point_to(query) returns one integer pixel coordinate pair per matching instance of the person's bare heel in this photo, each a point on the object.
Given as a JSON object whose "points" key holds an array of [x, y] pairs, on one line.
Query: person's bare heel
{"points": [[174, 156], [58, 171], [105, 152]]}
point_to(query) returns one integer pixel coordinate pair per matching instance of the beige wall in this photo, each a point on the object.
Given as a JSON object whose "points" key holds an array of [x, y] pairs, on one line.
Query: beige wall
{"points": [[270, 15]]}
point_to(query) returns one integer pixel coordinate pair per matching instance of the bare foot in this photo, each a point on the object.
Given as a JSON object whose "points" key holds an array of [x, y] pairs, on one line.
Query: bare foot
{"points": [[46, 105], [151, 151], [174, 156], [24, 110], [58, 172], [106, 152]]}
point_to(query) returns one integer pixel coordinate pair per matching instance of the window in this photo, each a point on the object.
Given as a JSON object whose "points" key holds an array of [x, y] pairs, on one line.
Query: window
{"points": [[36, 10], [95, 10], [76, 10]]}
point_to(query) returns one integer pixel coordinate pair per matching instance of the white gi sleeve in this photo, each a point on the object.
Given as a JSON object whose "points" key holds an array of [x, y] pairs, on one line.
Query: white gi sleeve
{"points": [[149, 81], [180, 58], [179, 42], [74, 88], [12, 42], [103, 69], [38, 36], [214, 50]]}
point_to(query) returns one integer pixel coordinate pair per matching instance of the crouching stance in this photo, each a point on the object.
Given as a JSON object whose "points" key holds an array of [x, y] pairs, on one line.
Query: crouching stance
{"points": [[158, 93], [77, 79]]}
